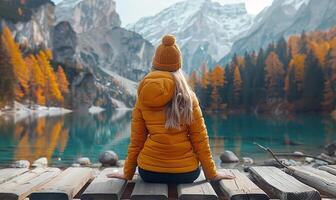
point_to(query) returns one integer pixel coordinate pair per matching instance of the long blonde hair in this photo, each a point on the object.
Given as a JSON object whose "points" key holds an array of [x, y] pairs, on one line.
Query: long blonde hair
{"points": [[180, 109]]}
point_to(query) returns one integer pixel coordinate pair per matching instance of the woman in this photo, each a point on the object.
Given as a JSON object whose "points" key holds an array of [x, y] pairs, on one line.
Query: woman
{"points": [[169, 137]]}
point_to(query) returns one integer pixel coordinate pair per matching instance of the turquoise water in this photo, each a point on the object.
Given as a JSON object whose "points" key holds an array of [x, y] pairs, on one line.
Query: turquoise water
{"points": [[63, 139]]}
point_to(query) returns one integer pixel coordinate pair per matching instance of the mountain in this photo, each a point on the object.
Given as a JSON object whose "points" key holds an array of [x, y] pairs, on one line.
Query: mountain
{"points": [[284, 18], [85, 15], [33, 26], [205, 30], [102, 42], [102, 61]]}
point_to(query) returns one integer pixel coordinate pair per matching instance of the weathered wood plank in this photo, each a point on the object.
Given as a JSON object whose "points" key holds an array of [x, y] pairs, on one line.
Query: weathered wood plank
{"points": [[65, 186], [241, 187], [9, 173], [149, 191], [103, 188], [321, 180], [200, 189], [20, 187], [329, 168], [277, 184]]}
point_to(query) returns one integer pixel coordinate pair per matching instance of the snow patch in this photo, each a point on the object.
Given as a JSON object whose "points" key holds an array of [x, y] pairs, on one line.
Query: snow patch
{"points": [[296, 3], [120, 105], [129, 85], [96, 109], [21, 111]]}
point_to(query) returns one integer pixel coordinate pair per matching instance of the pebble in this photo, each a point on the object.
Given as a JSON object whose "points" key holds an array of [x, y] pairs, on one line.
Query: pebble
{"points": [[309, 160], [84, 161], [248, 161], [109, 158], [75, 165], [41, 162], [21, 164], [229, 157]]}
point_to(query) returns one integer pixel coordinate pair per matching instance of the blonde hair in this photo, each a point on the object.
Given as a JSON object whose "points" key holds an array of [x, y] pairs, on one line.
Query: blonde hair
{"points": [[180, 109]]}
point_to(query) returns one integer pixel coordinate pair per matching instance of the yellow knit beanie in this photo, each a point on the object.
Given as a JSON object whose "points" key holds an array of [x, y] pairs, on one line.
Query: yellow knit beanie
{"points": [[168, 55]]}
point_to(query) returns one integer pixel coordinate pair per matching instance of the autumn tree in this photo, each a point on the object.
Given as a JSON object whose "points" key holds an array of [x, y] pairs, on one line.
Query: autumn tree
{"points": [[205, 76], [274, 77], [217, 81], [62, 80], [36, 80], [51, 89], [17, 62], [237, 84], [193, 80]]}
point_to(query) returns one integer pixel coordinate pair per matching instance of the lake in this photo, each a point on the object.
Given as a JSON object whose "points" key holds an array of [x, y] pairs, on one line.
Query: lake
{"points": [[62, 139]]}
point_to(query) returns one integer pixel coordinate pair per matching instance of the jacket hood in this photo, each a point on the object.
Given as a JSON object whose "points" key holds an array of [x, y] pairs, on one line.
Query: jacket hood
{"points": [[156, 89]]}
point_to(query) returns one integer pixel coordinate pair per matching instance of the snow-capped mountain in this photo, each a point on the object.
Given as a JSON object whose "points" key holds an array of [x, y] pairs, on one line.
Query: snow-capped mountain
{"points": [[117, 57], [205, 30], [284, 18], [85, 15]]}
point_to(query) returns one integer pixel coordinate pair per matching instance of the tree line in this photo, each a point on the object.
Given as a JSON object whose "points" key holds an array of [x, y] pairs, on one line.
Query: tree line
{"points": [[298, 74], [29, 78]]}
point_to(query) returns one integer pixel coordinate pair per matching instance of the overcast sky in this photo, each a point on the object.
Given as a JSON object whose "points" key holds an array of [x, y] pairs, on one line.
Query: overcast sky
{"points": [[132, 10]]}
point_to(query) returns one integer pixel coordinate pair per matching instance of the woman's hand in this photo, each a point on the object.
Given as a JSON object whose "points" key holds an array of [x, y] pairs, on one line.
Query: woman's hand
{"points": [[222, 175], [119, 175]]}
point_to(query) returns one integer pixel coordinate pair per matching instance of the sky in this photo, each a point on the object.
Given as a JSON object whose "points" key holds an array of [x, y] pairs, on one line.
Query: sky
{"points": [[131, 11]]}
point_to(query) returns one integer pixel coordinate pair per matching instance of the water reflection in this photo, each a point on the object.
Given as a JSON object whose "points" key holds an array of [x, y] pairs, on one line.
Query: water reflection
{"points": [[64, 138], [307, 133]]}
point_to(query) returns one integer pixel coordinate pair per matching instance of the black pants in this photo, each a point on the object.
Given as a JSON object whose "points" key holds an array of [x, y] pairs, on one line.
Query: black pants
{"points": [[177, 178]]}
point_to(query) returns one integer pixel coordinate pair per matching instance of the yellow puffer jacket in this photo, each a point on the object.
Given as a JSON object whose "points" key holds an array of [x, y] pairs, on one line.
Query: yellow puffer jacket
{"points": [[155, 148]]}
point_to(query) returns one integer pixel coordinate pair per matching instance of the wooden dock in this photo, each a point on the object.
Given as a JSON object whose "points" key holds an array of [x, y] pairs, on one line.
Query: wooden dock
{"points": [[261, 183]]}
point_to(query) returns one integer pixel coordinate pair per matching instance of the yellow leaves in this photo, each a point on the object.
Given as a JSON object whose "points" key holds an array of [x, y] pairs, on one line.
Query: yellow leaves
{"points": [[205, 78], [298, 65], [62, 80], [217, 76], [51, 88], [193, 79], [320, 49], [274, 74], [16, 60]]}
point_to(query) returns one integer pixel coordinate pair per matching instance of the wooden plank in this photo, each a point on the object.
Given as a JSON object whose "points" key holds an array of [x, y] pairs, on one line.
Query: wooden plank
{"points": [[329, 168], [65, 186], [277, 184], [149, 191], [321, 180], [200, 189], [103, 188], [20, 187], [241, 187], [9, 173]]}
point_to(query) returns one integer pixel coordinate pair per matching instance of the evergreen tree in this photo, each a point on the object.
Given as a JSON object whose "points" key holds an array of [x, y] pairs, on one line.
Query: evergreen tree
{"points": [[7, 83], [282, 51], [313, 82], [328, 96]]}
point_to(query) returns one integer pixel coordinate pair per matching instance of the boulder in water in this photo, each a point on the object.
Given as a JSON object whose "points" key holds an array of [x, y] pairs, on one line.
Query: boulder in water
{"points": [[109, 158], [331, 149], [229, 157], [21, 164], [247, 161], [84, 161], [41, 162]]}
